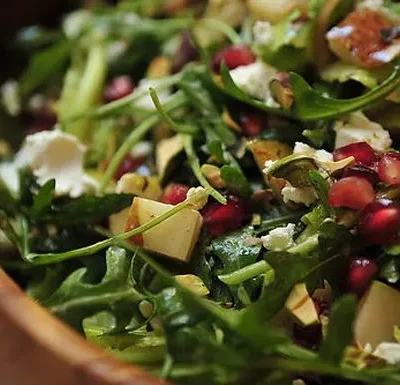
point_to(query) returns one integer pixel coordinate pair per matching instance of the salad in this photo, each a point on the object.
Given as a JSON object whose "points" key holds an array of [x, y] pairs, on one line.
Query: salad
{"points": [[211, 189]]}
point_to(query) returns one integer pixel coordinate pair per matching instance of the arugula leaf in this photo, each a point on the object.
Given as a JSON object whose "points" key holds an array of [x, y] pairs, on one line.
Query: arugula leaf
{"points": [[310, 105], [87, 209], [44, 198], [340, 331], [236, 181], [321, 186], [77, 299], [7, 201], [44, 65]]}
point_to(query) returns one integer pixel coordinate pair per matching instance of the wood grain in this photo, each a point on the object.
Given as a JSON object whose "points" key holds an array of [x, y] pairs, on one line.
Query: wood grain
{"points": [[38, 349]]}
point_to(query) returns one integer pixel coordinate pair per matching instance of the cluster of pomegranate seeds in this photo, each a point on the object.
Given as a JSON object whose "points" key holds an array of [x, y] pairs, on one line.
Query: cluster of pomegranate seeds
{"points": [[233, 56], [362, 152], [174, 193], [129, 164], [118, 87], [361, 272], [352, 192], [379, 222], [220, 219], [251, 123], [361, 171]]}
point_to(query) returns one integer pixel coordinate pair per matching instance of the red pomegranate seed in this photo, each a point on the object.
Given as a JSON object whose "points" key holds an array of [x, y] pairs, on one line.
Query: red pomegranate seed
{"points": [[362, 152], [352, 192], [38, 126], [129, 164], [220, 219], [360, 274], [251, 123], [174, 193], [119, 87], [379, 222], [389, 168], [362, 172], [233, 56]]}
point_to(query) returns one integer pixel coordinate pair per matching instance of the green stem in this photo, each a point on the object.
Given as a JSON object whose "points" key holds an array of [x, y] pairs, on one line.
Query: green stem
{"points": [[195, 165], [245, 273], [51, 258], [178, 100], [224, 28], [305, 247], [276, 222]]}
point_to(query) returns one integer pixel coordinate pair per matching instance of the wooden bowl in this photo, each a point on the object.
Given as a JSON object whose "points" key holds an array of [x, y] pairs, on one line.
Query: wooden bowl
{"points": [[38, 349]]}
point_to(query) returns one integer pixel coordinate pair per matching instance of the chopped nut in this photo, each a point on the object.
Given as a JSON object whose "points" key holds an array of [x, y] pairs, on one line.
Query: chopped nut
{"points": [[159, 67], [227, 118], [281, 89], [213, 175]]}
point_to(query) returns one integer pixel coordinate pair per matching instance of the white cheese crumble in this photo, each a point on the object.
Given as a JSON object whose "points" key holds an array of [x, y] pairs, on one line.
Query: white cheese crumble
{"points": [[304, 195], [262, 32], [56, 155], [254, 79], [280, 238], [375, 5], [301, 148], [10, 97], [358, 128], [389, 351], [76, 22], [141, 150], [201, 200], [268, 165], [145, 101]]}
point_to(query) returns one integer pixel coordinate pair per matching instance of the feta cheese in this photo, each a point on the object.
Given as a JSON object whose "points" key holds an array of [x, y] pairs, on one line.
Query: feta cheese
{"points": [[9, 176], [304, 195], [304, 149], [76, 22], [262, 31], [202, 199], [375, 5], [267, 166], [254, 79], [56, 155], [141, 150], [358, 128], [145, 102], [280, 238], [10, 97], [389, 351]]}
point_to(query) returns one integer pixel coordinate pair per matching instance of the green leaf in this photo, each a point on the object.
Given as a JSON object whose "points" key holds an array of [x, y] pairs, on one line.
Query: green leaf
{"points": [[236, 181], [8, 202], [321, 186], [44, 198], [44, 65], [310, 105], [77, 299], [340, 331], [87, 209]]}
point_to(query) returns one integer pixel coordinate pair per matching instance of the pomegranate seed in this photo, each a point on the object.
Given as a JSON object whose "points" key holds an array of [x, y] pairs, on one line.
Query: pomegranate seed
{"points": [[363, 153], [220, 219], [38, 126], [352, 192], [119, 87], [362, 172], [360, 274], [129, 164], [174, 193], [389, 168], [251, 123], [185, 53], [233, 56], [379, 222]]}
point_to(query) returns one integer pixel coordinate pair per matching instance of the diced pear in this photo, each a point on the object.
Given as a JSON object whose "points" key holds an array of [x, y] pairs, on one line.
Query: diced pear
{"points": [[301, 306], [174, 237], [193, 283], [166, 150], [378, 314], [139, 185]]}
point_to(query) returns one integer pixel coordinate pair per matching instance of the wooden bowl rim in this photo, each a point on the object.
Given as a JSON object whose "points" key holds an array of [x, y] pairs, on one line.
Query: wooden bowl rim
{"points": [[39, 349]]}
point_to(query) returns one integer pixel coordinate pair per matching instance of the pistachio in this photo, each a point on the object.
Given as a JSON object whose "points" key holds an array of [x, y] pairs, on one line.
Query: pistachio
{"points": [[281, 89], [213, 175]]}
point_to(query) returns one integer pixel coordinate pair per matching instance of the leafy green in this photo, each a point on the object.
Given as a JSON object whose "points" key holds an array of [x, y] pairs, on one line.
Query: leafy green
{"points": [[236, 181], [87, 209], [44, 65], [44, 198], [76, 299], [310, 104], [321, 186], [8, 202], [340, 331]]}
